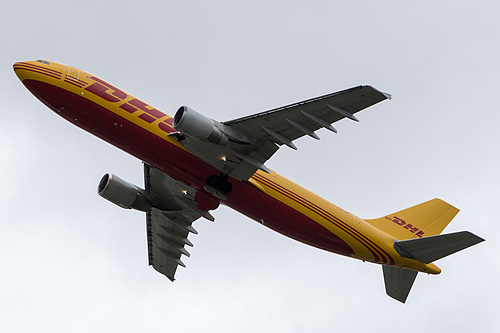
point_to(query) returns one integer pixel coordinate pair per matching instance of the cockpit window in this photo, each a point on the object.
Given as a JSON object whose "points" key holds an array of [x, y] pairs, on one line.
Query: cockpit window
{"points": [[40, 61], [46, 62]]}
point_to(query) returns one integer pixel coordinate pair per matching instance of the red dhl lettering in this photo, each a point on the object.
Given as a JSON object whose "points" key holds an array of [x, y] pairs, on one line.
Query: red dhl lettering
{"points": [[112, 94], [405, 225], [150, 114], [105, 90]]}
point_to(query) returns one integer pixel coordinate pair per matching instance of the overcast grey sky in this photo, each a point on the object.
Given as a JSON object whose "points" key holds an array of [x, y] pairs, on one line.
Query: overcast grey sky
{"points": [[70, 261]]}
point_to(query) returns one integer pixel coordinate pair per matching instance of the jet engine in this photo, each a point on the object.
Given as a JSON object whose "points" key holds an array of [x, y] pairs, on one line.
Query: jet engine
{"points": [[122, 193], [194, 124]]}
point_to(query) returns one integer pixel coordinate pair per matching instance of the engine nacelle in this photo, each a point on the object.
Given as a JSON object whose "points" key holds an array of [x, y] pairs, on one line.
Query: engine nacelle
{"points": [[194, 124], [122, 193]]}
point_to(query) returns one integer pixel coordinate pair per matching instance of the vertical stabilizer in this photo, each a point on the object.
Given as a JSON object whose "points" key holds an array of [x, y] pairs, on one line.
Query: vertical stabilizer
{"points": [[398, 282], [426, 219]]}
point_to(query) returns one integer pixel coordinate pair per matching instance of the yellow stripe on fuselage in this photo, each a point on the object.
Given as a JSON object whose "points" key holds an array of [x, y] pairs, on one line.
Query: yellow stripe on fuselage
{"points": [[341, 223], [368, 243]]}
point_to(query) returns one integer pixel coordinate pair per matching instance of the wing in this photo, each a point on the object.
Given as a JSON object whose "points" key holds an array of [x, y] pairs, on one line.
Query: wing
{"points": [[168, 230], [263, 133], [283, 125]]}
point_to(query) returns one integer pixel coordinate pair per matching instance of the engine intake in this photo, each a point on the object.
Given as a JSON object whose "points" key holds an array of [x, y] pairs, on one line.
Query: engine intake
{"points": [[122, 193], [194, 124]]}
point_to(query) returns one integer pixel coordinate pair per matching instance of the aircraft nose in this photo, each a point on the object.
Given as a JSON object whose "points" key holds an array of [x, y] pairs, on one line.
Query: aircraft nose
{"points": [[25, 69], [39, 69], [17, 69]]}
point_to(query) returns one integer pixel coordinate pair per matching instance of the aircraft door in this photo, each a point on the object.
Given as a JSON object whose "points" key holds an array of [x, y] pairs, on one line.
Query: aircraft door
{"points": [[73, 73]]}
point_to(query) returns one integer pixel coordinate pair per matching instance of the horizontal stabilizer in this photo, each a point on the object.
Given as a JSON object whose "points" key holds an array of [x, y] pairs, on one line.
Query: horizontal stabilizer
{"points": [[398, 282], [429, 249]]}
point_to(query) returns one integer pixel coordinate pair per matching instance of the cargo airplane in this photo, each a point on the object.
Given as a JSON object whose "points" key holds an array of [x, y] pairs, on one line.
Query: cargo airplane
{"points": [[193, 163]]}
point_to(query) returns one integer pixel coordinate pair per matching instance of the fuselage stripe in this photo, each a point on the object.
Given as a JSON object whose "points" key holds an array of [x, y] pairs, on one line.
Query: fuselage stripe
{"points": [[369, 244], [79, 85], [37, 71], [74, 80], [332, 219], [41, 68]]}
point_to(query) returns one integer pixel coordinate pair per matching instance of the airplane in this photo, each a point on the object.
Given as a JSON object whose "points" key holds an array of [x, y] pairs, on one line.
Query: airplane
{"points": [[193, 163]]}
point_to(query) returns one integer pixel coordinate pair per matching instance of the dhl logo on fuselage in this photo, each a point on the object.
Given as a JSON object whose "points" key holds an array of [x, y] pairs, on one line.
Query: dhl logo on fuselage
{"points": [[102, 89], [112, 94]]}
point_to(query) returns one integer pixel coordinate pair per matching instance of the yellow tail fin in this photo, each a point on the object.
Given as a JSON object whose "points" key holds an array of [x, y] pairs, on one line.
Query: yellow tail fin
{"points": [[426, 219]]}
